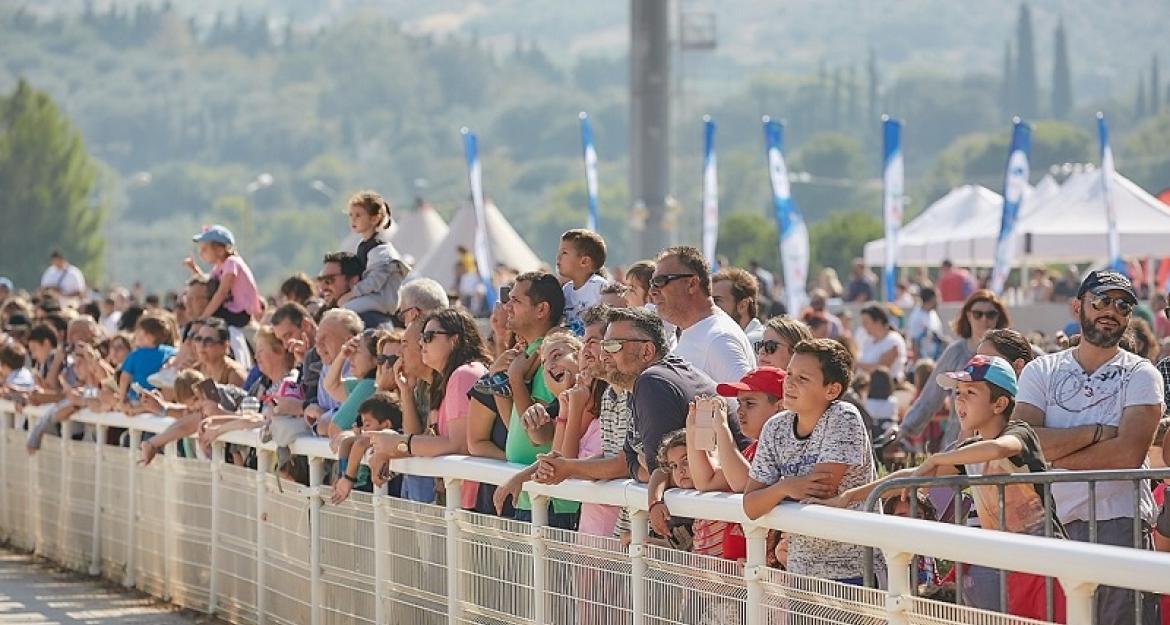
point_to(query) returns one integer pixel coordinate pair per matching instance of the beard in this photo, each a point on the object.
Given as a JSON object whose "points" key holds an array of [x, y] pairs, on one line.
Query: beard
{"points": [[624, 381], [1098, 337]]}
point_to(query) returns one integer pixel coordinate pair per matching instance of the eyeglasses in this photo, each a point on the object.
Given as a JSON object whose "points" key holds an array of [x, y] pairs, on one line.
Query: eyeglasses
{"points": [[327, 277], [661, 280], [429, 335], [1101, 302], [386, 359], [990, 315], [769, 347], [613, 346]]}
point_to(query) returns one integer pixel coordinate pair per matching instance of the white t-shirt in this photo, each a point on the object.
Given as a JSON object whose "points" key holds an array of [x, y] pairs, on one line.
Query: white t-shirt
{"points": [[923, 321], [754, 332], [718, 347], [668, 328], [1069, 397], [872, 351], [578, 300], [67, 280], [840, 436]]}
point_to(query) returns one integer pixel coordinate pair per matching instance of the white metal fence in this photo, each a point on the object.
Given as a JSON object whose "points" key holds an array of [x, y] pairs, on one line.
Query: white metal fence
{"points": [[234, 542]]}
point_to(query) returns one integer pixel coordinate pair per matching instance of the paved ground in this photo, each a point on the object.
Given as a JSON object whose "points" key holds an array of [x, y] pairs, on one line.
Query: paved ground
{"points": [[34, 592]]}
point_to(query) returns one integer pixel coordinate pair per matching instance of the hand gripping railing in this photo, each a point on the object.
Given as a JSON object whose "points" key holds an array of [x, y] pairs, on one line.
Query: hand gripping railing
{"points": [[1080, 567]]}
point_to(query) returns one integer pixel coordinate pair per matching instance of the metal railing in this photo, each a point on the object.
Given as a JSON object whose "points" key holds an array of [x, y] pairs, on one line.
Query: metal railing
{"points": [[237, 543], [957, 484]]}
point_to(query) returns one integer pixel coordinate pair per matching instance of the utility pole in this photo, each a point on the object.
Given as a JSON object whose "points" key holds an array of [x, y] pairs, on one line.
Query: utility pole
{"points": [[650, 119]]}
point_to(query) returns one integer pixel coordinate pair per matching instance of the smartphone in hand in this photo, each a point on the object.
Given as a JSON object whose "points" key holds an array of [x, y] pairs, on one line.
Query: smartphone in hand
{"points": [[705, 415]]}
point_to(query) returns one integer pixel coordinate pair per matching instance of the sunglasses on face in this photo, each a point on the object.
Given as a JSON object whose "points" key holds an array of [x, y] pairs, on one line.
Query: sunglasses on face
{"points": [[386, 359], [613, 346], [661, 280], [1101, 302], [327, 277], [769, 347], [206, 340], [429, 335], [990, 315]]}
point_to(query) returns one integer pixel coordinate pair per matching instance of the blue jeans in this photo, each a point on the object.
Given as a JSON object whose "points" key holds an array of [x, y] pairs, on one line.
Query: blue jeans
{"points": [[417, 488]]}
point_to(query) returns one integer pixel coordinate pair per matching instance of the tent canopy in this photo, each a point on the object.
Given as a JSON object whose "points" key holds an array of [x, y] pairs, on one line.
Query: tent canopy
{"points": [[940, 226], [506, 246], [415, 232]]}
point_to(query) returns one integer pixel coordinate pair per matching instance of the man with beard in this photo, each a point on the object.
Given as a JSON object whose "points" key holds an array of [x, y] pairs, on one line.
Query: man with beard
{"points": [[1096, 406], [340, 271], [661, 385]]}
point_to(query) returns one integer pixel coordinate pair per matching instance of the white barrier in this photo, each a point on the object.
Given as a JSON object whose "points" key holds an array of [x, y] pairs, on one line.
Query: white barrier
{"points": [[239, 544]]}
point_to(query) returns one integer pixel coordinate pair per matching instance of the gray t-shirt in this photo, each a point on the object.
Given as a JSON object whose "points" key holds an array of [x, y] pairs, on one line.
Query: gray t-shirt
{"points": [[839, 436]]}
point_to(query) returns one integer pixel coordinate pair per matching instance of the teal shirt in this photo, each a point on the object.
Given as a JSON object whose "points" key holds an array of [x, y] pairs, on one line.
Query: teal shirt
{"points": [[359, 391]]}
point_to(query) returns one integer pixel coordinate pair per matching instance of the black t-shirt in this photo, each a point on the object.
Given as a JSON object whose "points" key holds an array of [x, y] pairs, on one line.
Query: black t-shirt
{"points": [[658, 406]]}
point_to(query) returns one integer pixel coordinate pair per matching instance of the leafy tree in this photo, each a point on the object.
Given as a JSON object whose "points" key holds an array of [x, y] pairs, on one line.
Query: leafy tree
{"points": [[1061, 75], [837, 240], [47, 178], [1144, 155], [744, 237]]}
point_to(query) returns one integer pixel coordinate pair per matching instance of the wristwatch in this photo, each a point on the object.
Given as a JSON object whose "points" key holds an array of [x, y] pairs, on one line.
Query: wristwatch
{"points": [[404, 446]]}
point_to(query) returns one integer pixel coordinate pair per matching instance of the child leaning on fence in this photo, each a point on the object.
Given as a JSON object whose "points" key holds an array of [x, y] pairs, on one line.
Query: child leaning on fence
{"points": [[815, 448], [985, 393]]}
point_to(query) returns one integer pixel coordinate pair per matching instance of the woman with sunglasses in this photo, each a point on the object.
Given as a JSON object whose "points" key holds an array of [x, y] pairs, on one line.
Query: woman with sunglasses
{"points": [[453, 348], [981, 312], [361, 353], [774, 349]]}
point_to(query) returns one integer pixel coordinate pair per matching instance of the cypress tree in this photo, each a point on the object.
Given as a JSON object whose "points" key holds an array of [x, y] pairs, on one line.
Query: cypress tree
{"points": [[1139, 107], [1155, 87], [1025, 91], [1061, 75], [872, 74], [1006, 101]]}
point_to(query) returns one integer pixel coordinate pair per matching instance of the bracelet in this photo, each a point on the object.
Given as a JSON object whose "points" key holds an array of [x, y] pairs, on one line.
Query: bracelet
{"points": [[345, 476], [1098, 432], [561, 419], [656, 503], [409, 439]]}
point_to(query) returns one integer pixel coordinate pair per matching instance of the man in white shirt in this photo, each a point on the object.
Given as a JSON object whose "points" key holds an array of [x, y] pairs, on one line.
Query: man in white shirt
{"points": [[710, 340], [62, 277], [1096, 406], [924, 328], [737, 293]]}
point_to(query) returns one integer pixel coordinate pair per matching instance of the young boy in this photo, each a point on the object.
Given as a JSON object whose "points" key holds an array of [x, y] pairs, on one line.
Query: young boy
{"points": [[817, 447], [580, 257], [984, 395], [380, 412], [153, 338]]}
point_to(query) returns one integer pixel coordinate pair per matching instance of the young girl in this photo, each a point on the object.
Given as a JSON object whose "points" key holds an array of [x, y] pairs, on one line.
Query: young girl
{"points": [[382, 271], [237, 299]]}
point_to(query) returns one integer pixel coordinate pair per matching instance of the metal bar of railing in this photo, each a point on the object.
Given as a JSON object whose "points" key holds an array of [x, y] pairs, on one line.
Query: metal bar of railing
{"points": [[451, 513], [132, 511], [1003, 598], [639, 531], [540, 505], [170, 461], [217, 461], [316, 586], [380, 556], [95, 557], [753, 572], [263, 462]]}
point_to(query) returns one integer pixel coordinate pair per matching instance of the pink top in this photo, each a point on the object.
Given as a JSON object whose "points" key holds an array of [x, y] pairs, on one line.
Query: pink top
{"points": [[596, 519], [455, 406], [244, 295]]}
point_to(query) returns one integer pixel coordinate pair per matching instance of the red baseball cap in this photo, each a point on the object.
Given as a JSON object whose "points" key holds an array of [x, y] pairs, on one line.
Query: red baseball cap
{"points": [[768, 380]]}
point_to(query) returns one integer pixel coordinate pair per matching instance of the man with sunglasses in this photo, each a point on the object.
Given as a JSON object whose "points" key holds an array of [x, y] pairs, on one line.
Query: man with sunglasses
{"points": [[1096, 406], [710, 340], [340, 271]]}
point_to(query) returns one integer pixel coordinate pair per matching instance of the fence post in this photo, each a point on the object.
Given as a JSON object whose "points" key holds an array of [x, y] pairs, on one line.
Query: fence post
{"points": [[380, 549], [217, 457], [1079, 601], [170, 536], [316, 475], [753, 571], [263, 462], [899, 595], [34, 500], [95, 557], [638, 531], [63, 493], [5, 516], [454, 592], [540, 505], [132, 511]]}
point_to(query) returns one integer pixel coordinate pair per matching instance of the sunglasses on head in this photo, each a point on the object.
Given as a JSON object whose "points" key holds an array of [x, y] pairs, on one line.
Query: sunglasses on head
{"points": [[769, 346], [429, 335], [664, 279], [1101, 302], [613, 346], [990, 315]]}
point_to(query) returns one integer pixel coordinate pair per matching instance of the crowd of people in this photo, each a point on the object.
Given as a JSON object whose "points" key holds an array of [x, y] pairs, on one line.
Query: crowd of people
{"points": [[664, 372]]}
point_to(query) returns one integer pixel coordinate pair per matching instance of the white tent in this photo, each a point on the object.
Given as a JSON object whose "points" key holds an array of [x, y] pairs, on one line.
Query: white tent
{"points": [[415, 232], [506, 246], [1071, 225], [938, 228]]}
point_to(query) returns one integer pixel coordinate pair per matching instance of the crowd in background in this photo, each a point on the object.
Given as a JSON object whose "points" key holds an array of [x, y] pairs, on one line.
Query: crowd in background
{"points": [[665, 372]]}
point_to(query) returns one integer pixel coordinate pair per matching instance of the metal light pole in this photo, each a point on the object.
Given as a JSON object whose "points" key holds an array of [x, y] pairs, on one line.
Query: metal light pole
{"points": [[650, 116]]}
